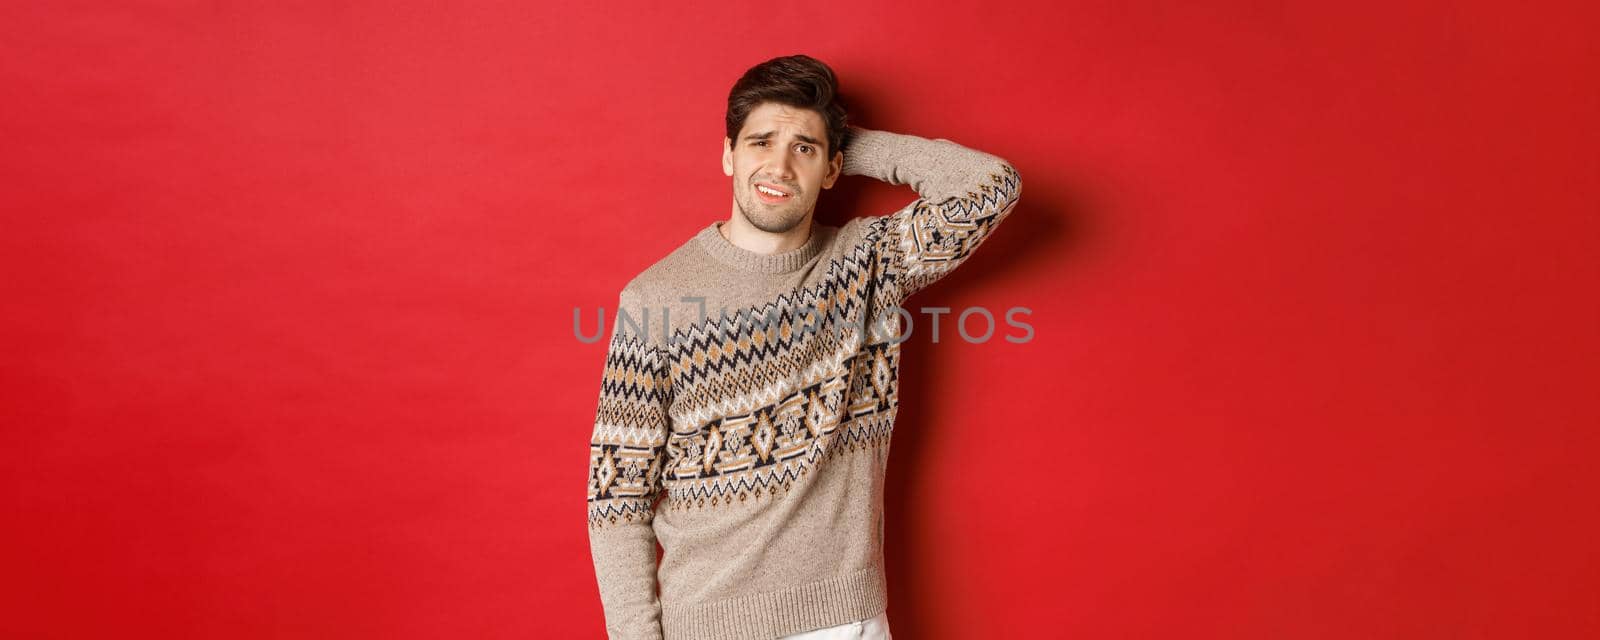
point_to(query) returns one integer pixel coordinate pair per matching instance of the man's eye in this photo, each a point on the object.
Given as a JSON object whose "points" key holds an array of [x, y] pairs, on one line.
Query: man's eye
{"points": [[806, 148]]}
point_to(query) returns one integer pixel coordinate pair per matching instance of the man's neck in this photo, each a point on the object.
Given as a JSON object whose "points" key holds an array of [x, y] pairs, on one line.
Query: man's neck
{"points": [[749, 238]]}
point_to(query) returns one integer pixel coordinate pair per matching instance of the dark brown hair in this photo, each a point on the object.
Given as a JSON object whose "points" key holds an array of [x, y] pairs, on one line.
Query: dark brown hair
{"points": [[799, 81]]}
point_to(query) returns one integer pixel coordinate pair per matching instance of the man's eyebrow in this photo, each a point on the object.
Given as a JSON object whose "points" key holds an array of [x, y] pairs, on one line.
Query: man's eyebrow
{"points": [[768, 134]]}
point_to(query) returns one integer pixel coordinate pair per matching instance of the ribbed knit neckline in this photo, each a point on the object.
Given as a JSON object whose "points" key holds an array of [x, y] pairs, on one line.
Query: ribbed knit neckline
{"points": [[745, 259]]}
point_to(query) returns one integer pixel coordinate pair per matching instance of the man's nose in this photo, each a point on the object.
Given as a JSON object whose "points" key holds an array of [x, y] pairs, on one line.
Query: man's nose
{"points": [[781, 169]]}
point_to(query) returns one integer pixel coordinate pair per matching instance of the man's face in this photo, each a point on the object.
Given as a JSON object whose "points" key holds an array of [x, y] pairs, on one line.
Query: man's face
{"points": [[783, 148]]}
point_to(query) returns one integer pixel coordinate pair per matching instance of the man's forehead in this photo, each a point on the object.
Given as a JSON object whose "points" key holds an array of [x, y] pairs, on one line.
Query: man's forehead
{"points": [[767, 119]]}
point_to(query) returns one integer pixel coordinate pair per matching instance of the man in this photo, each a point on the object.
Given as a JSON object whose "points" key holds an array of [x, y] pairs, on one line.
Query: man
{"points": [[763, 429]]}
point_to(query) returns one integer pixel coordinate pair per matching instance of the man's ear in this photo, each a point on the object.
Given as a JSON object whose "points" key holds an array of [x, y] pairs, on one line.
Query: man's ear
{"points": [[727, 156], [834, 167]]}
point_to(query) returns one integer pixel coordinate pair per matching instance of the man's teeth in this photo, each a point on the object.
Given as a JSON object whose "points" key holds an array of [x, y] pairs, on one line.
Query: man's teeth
{"points": [[771, 191]]}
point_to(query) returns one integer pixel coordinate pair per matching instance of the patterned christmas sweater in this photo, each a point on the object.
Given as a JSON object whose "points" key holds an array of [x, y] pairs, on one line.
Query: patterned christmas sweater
{"points": [[748, 400]]}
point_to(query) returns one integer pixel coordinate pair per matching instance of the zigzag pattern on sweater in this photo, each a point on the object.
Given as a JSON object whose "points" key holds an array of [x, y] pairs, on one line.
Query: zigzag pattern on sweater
{"points": [[756, 453], [936, 237], [764, 450], [633, 393], [843, 275]]}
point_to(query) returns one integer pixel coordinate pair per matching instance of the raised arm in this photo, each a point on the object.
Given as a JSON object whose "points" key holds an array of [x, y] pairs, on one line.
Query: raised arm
{"points": [[630, 430], [962, 195]]}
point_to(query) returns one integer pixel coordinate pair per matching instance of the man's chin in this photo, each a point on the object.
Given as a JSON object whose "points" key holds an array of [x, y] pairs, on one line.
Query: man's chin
{"points": [[778, 228], [774, 223]]}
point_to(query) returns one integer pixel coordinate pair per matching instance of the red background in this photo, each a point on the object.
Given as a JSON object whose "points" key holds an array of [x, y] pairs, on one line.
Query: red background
{"points": [[288, 291]]}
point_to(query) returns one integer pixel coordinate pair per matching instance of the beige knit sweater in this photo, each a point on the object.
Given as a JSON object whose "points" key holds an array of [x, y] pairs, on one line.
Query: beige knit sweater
{"points": [[758, 412]]}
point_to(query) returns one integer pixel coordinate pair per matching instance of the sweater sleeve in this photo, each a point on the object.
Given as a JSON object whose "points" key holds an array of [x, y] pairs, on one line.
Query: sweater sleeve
{"points": [[625, 461], [963, 194]]}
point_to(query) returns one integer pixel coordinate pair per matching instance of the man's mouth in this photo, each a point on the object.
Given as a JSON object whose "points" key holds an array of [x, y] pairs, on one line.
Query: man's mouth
{"points": [[772, 194]]}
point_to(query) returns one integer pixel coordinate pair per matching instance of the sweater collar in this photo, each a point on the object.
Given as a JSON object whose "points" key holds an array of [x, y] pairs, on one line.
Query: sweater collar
{"points": [[733, 255]]}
